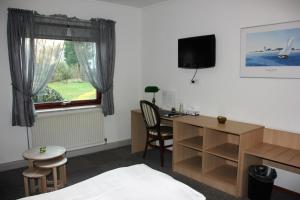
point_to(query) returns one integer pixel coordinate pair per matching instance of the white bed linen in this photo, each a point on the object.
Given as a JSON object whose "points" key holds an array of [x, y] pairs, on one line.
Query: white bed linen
{"points": [[137, 182]]}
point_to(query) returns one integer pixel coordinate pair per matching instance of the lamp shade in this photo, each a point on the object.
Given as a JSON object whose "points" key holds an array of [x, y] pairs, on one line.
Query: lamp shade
{"points": [[152, 89]]}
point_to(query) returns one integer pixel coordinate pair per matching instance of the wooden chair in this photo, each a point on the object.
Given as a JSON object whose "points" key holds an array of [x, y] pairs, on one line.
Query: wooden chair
{"points": [[155, 131], [55, 165], [40, 175]]}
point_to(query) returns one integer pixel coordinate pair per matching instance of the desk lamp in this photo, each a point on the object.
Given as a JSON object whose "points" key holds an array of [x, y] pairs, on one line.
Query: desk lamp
{"points": [[152, 89]]}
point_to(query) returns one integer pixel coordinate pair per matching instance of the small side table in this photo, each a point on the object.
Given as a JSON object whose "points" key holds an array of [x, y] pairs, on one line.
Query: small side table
{"points": [[34, 154], [36, 173], [54, 165]]}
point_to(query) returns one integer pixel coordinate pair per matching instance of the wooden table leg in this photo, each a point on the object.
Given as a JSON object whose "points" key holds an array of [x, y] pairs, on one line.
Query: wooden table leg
{"points": [[26, 186], [54, 172], [61, 176], [31, 181], [65, 171], [40, 185], [65, 174], [44, 184]]}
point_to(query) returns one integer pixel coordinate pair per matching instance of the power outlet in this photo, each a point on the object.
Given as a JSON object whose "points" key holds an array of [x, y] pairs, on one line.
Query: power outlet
{"points": [[105, 140]]}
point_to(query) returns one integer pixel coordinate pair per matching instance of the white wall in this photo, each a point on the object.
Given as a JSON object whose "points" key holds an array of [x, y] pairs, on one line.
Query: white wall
{"points": [[127, 69], [271, 102]]}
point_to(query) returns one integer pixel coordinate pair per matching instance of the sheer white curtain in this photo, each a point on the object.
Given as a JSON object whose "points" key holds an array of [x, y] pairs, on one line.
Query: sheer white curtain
{"points": [[86, 55], [98, 60], [47, 56]]}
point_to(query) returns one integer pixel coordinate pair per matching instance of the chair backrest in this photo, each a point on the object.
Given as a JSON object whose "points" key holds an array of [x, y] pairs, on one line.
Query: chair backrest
{"points": [[150, 114]]}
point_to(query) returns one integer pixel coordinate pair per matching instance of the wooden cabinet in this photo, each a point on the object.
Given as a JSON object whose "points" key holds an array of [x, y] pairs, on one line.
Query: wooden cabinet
{"points": [[212, 153]]}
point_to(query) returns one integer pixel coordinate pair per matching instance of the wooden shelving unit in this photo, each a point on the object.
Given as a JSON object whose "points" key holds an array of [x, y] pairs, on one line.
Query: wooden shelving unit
{"points": [[210, 152]]}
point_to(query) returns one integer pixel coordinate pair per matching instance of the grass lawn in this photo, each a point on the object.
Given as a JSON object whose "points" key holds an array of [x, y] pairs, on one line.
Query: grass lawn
{"points": [[74, 90]]}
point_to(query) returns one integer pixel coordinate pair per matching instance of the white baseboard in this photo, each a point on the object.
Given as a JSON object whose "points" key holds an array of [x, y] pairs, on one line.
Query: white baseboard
{"points": [[22, 163]]}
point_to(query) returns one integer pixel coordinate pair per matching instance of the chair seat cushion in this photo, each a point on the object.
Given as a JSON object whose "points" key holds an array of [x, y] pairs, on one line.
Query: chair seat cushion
{"points": [[165, 131]]}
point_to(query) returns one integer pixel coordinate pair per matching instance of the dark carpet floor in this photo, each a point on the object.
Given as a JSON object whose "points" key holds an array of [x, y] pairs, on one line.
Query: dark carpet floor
{"points": [[83, 167]]}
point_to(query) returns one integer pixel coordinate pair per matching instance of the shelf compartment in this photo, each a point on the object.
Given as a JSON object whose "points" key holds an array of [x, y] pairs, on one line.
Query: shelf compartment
{"points": [[193, 143], [222, 144], [220, 170], [227, 150], [191, 167], [224, 173], [185, 131], [181, 153]]}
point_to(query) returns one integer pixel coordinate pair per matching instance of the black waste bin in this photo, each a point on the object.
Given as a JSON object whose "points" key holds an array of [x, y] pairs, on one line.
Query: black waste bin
{"points": [[260, 182]]}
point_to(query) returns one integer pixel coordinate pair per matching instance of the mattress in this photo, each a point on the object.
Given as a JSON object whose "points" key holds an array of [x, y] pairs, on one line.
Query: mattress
{"points": [[137, 182]]}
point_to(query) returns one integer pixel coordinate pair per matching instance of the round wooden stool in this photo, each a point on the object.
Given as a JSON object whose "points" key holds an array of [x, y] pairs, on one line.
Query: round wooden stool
{"points": [[55, 164], [36, 173]]}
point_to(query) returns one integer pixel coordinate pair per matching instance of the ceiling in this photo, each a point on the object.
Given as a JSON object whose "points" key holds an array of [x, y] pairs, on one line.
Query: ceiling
{"points": [[135, 3]]}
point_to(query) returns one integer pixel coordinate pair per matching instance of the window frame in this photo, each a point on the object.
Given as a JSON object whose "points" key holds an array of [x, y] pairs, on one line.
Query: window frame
{"points": [[67, 104]]}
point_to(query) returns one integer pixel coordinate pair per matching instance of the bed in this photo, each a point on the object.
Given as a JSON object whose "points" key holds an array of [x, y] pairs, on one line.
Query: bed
{"points": [[137, 182]]}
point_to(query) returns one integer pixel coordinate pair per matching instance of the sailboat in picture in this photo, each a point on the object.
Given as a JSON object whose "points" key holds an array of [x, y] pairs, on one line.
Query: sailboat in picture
{"points": [[284, 53]]}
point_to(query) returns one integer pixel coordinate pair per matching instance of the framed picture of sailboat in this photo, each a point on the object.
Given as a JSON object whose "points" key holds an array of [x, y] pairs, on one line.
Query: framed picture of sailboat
{"points": [[271, 51]]}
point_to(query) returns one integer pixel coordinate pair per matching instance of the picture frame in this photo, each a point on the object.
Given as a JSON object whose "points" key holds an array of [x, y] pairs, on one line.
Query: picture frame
{"points": [[271, 51]]}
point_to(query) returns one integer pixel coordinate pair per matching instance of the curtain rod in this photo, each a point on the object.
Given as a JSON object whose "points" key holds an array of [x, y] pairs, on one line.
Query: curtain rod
{"points": [[65, 17], [62, 18], [85, 26]]}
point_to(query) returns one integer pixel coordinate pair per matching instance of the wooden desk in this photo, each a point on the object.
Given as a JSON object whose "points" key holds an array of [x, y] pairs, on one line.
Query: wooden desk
{"points": [[219, 154], [138, 130], [205, 150]]}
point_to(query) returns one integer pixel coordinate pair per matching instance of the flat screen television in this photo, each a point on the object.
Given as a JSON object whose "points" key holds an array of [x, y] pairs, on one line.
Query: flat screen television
{"points": [[197, 52]]}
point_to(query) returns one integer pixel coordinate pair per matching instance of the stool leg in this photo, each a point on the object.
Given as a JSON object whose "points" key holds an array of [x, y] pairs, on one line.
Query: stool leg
{"points": [[40, 185], [65, 174], [61, 176], [31, 181], [54, 172], [26, 186], [44, 184], [32, 185]]}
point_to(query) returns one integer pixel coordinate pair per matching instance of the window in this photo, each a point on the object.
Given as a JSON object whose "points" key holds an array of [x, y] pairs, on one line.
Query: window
{"points": [[69, 85]]}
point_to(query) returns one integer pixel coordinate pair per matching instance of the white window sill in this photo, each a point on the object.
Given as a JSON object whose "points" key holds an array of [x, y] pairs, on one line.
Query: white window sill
{"points": [[65, 111]]}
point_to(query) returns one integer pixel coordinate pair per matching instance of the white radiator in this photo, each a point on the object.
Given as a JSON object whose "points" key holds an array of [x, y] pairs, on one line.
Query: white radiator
{"points": [[70, 129]]}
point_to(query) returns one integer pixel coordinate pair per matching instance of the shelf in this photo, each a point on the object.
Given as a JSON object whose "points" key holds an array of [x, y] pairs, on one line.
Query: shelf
{"points": [[227, 151], [224, 173], [193, 143], [192, 164]]}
